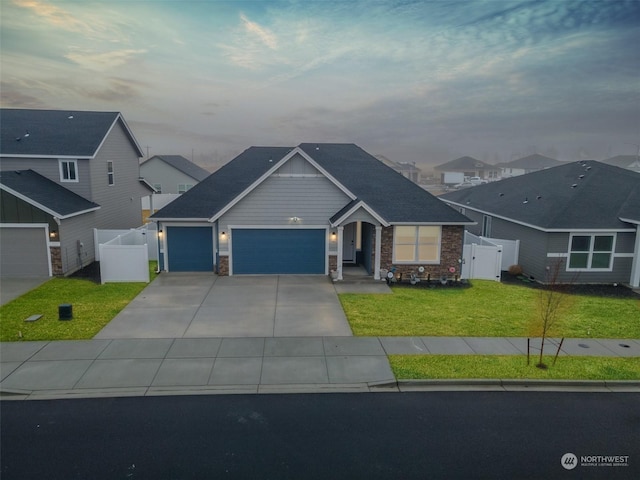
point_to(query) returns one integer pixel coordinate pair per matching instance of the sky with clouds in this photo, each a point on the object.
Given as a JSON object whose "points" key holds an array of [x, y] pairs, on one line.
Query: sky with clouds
{"points": [[423, 81]]}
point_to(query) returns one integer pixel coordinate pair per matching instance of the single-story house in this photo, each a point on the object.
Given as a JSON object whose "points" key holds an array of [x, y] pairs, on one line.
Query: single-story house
{"points": [[585, 214], [528, 164], [470, 167], [64, 173], [309, 209]]}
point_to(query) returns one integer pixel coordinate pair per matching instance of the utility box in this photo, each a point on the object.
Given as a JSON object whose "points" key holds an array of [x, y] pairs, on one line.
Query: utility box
{"points": [[65, 311]]}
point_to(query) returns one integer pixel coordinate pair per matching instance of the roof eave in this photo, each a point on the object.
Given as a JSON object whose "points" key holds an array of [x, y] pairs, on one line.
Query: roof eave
{"points": [[44, 208], [538, 227], [353, 209]]}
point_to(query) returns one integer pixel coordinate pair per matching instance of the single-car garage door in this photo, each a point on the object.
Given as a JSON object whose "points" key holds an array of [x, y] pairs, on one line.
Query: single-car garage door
{"points": [[24, 252], [278, 251], [190, 249]]}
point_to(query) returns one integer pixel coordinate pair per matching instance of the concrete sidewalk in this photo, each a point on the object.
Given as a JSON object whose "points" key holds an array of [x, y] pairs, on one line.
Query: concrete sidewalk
{"points": [[157, 366]]}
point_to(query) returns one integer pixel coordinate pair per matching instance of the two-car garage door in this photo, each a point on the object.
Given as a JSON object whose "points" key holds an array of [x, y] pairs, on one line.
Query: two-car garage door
{"points": [[278, 251], [253, 251]]}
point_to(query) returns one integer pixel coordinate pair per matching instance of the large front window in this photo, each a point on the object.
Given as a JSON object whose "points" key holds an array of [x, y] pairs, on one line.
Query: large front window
{"points": [[416, 244], [591, 252]]}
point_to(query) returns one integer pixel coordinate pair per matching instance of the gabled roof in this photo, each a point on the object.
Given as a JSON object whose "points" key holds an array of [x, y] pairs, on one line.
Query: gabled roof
{"points": [[464, 163], [183, 165], [57, 133], [532, 162], [45, 194], [361, 176], [577, 195]]}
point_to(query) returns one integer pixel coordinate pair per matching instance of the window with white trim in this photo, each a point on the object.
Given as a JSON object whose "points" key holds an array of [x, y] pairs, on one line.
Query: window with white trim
{"points": [[158, 187], [183, 187], [68, 170], [416, 244], [110, 178], [591, 252]]}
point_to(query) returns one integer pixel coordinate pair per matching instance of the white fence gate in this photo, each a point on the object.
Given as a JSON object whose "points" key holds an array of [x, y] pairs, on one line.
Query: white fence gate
{"points": [[124, 254], [484, 258]]}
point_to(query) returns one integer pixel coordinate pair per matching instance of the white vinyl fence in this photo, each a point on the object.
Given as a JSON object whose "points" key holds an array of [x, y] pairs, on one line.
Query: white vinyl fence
{"points": [[124, 254], [485, 258]]}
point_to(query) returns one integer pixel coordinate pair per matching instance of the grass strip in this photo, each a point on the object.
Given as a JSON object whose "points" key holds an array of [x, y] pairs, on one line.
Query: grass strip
{"points": [[513, 367], [486, 309], [94, 306]]}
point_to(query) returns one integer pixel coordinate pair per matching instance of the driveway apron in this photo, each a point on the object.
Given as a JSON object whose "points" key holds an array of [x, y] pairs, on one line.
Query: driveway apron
{"points": [[181, 305]]}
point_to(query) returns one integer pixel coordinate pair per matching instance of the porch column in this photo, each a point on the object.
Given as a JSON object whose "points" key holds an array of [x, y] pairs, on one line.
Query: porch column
{"points": [[634, 281], [339, 261], [376, 262]]}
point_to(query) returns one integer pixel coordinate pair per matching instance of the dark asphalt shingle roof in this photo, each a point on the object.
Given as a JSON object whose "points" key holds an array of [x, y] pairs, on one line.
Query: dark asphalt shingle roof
{"points": [[49, 194], [388, 193], [182, 164], [600, 196], [211, 195], [54, 133]]}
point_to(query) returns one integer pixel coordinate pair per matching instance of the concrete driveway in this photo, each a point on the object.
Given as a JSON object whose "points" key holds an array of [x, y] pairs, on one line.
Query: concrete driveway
{"points": [[189, 305], [14, 287]]}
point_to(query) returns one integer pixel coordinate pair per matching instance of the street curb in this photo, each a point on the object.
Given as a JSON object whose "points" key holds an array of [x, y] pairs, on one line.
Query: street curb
{"points": [[508, 382]]}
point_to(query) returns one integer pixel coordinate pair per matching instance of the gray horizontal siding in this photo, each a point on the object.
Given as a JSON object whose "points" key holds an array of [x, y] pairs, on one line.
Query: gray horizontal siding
{"points": [[157, 171], [297, 166], [74, 230], [274, 202], [49, 168], [120, 203]]}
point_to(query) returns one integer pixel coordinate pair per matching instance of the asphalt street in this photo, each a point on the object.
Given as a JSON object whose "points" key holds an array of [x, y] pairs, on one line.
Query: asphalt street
{"points": [[511, 435]]}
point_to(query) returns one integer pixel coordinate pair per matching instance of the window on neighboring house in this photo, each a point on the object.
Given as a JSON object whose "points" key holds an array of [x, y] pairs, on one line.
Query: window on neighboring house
{"points": [[486, 226], [158, 187], [183, 187], [68, 170], [591, 252], [416, 244], [110, 173]]}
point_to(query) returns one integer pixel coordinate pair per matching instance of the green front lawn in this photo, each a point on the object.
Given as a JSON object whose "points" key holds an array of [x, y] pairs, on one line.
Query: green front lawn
{"points": [[509, 366], [94, 306], [487, 308]]}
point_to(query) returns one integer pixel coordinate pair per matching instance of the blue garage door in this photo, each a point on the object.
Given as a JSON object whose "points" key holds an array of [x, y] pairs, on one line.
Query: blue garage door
{"points": [[278, 251], [190, 249]]}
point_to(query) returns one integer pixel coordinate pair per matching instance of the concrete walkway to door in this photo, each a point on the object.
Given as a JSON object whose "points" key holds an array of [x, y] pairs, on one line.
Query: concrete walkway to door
{"points": [[188, 305]]}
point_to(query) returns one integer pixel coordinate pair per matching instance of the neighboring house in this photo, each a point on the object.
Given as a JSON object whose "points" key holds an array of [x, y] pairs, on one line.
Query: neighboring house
{"points": [[308, 210], [406, 169], [172, 173], [528, 164], [630, 162], [586, 214], [63, 174], [470, 167]]}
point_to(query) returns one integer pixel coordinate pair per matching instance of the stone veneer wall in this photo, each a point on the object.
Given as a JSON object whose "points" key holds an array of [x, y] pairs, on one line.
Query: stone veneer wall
{"points": [[450, 253], [333, 263], [56, 260], [223, 265]]}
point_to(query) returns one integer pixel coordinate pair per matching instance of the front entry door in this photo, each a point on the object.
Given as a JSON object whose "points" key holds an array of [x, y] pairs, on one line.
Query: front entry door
{"points": [[349, 243]]}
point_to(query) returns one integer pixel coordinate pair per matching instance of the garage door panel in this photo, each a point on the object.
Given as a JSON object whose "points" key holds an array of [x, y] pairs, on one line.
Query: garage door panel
{"points": [[24, 252], [278, 251], [190, 249]]}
